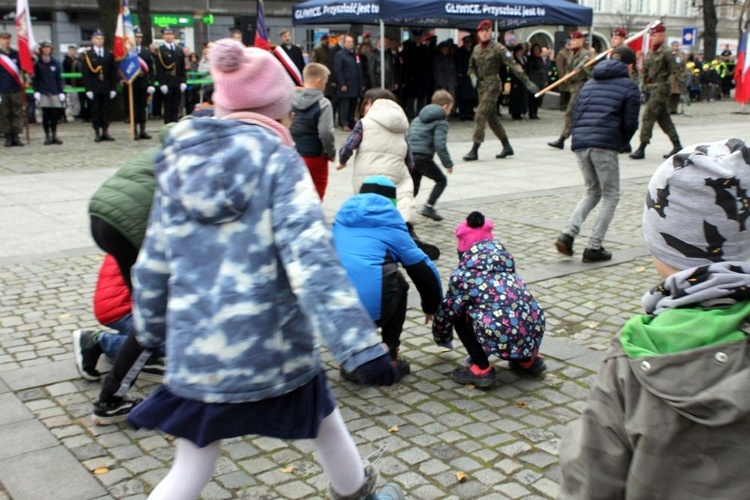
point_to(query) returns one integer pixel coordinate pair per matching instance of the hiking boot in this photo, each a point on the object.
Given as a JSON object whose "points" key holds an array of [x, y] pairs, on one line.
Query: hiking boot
{"points": [[564, 244], [596, 255], [639, 153], [676, 149], [559, 143], [534, 366], [114, 411], [153, 370], [474, 375], [473, 155], [431, 213], [86, 353]]}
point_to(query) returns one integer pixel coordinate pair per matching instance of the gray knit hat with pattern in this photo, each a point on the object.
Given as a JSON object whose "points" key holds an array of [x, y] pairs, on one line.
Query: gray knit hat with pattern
{"points": [[697, 206]]}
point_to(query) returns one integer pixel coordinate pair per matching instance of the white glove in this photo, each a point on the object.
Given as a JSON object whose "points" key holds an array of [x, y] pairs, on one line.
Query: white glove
{"points": [[164, 89], [473, 80], [37, 96], [183, 86], [90, 95], [150, 90], [112, 94], [61, 97], [1, 100]]}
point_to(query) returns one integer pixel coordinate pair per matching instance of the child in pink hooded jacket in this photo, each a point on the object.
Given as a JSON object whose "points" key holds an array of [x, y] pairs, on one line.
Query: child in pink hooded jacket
{"points": [[475, 228]]}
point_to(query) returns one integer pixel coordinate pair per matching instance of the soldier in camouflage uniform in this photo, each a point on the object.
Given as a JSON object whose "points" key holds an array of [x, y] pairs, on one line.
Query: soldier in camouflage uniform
{"points": [[575, 58], [676, 79], [486, 60], [657, 68]]}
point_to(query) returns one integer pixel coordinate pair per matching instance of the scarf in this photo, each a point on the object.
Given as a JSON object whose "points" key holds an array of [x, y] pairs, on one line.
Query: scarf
{"points": [[262, 121], [711, 285]]}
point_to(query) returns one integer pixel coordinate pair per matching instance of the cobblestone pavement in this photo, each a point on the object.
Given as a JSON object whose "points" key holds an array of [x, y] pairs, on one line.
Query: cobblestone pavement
{"points": [[421, 432]]}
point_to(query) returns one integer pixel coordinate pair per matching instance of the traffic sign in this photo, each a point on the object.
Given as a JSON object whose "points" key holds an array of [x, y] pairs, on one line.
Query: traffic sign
{"points": [[689, 36]]}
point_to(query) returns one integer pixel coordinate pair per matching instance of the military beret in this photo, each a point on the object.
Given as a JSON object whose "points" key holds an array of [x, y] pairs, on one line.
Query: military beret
{"points": [[576, 34], [484, 25], [324, 36], [620, 32], [659, 28]]}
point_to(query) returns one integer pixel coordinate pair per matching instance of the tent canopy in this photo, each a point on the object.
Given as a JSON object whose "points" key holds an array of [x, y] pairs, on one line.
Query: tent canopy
{"points": [[441, 13]]}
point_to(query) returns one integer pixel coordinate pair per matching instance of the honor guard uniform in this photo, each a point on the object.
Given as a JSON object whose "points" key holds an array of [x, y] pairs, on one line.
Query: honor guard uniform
{"points": [[575, 59], [143, 85], [11, 92], [660, 63], [98, 73], [170, 71], [487, 57]]}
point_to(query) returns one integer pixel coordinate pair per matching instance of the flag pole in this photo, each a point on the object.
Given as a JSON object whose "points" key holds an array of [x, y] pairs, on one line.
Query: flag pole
{"points": [[25, 106], [132, 114]]}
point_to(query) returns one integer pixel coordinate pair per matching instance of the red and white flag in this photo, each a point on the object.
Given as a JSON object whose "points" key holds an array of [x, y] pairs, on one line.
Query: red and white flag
{"points": [[26, 42]]}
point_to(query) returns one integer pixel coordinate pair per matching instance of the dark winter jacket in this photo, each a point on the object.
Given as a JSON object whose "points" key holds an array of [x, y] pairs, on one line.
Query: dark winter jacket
{"points": [[48, 77], [606, 113], [428, 134], [371, 238], [348, 71], [9, 84], [312, 128]]}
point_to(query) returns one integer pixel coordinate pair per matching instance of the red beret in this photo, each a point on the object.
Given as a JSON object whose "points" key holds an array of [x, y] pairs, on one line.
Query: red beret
{"points": [[576, 34], [367, 34], [484, 25], [620, 32], [324, 37], [659, 28]]}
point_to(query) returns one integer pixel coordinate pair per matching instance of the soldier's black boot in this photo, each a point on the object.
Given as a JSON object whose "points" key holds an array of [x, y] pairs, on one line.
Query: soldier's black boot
{"points": [[8, 140], [55, 140], [144, 134], [97, 135], [106, 136], [639, 153], [473, 155], [507, 149], [559, 143], [675, 149], [17, 141], [47, 139]]}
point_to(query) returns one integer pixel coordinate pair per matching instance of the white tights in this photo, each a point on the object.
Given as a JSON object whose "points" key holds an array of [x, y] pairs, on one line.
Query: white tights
{"points": [[193, 467]]}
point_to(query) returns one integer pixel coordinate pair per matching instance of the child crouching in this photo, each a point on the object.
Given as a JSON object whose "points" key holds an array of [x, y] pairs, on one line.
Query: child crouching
{"points": [[493, 312]]}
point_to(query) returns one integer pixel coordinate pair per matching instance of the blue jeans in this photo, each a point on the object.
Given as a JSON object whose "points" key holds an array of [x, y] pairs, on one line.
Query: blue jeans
{"points": [[111, 342], [601, 177]]}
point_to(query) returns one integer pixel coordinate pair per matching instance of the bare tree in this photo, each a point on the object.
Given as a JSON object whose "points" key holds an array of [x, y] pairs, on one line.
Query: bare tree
{"points": [[144, 18], [108, 10], [710, 20]]}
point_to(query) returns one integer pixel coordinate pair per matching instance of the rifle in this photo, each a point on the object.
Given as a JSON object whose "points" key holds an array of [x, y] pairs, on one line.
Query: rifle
{"points": [[596, 59]]}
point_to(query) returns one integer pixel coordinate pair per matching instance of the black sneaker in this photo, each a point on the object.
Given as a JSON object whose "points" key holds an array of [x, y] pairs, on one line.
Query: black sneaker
{"points": [[465, 375], [431, 213], [534, 367], [596, 255], [564, 244], [153, 370], [86, 353], [113, 412]]}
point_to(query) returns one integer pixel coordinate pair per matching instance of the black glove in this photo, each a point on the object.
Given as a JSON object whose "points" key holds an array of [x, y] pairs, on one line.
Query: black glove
{"points": [[379, 371]]}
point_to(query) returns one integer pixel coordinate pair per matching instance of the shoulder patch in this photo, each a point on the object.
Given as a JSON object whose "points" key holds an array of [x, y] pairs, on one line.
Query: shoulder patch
{"points": [[507, 54], [677, 60]]}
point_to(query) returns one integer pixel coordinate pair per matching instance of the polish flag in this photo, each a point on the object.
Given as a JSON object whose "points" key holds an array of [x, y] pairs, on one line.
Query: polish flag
{"points": [[742, 71], [26, 41]]}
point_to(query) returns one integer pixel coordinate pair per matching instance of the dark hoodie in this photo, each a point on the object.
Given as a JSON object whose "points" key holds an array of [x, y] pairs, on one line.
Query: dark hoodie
{"points": [[428, 134], [312, 128], [606, 113]]}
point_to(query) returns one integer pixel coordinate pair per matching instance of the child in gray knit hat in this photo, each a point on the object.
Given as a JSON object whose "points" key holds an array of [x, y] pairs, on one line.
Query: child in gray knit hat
{"points": [[669, 414]]}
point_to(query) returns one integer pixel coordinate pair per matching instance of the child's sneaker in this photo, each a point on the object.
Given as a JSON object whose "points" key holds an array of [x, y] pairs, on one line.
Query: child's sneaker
{"points": [[86, 353], [389, 492], [431, 213], [534, 366], [474, 375], [113, 412], [153, 370]]}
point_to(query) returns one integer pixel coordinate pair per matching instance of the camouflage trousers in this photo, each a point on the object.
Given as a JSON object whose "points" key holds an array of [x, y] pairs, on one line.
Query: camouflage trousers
{"points": [[486, 114], [568, 127], [657, 110]]}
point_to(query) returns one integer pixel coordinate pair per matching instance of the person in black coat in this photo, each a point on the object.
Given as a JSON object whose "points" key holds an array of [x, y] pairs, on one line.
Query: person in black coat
{"points": [[538, 71], [518, 101], [417, 73], [143, 85], [48, 91], [98, 75], [466, 94], [350, 81], [294, 52], [605, 117], [170, 71]]}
